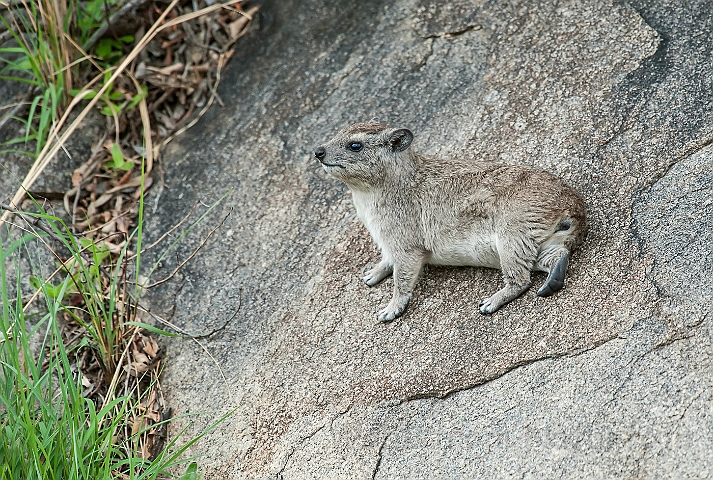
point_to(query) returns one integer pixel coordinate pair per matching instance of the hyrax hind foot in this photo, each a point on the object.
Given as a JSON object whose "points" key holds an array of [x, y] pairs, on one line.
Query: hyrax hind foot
{"points": [[555, 280], [378, 273]]}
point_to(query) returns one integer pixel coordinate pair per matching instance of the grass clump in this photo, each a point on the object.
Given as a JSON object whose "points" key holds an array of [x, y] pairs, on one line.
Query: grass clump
{"points": [[37, 58], [79, 390], [80, 396]]}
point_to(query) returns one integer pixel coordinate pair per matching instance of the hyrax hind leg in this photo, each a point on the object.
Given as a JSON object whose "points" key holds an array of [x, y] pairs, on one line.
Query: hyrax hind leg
{"points": [[557, 268], [517, 257], [553, 258]]}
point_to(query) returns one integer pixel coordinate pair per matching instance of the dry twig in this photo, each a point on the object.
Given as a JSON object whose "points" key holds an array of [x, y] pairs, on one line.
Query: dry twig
{"points": [[193, 254]]}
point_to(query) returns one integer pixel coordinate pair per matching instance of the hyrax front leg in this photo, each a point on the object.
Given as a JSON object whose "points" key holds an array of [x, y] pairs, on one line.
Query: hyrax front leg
{"points": [[516, 261], [382, 270], [407, 268]]}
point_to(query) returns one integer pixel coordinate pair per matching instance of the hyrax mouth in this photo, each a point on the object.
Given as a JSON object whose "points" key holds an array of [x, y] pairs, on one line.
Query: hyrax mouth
{"points": [[325, 164]]}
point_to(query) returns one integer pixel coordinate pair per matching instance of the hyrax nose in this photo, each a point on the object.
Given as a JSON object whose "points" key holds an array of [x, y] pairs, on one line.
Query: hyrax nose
{"points": [[320, 153]]}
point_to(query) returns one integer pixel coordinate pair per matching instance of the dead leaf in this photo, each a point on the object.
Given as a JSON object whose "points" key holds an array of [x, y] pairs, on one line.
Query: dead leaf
{"points": [[237, 26], [167, 71], [153, 415], [146, 447], [109, 228], [77, 177], [125, 177], [151, 347], [165, 120], [139, 357], [133, 183], [122, 225], [136, 425], [173, 38], [136, 368], [147, 184], [103, 199]]}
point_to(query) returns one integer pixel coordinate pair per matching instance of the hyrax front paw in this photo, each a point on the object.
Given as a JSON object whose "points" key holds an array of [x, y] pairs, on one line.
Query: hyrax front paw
{"points": [[394, 309], [388, 314], [487, 306], [503, 296], [377, 274]]}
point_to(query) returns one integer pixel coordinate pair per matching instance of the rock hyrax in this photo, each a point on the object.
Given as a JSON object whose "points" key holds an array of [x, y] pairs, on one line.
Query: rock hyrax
{"points": [[421, 210]]}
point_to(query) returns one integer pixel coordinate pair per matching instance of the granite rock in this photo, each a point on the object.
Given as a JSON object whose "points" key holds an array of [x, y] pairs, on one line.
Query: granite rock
{"points": [[610, 378]]}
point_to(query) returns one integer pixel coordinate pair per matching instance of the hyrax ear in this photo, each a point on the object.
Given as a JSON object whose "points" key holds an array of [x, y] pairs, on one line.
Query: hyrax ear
{"points": [[400, 139]]}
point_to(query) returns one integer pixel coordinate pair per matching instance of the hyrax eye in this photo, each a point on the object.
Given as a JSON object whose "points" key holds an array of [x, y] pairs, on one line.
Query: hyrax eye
{"points": [[356, 146]]}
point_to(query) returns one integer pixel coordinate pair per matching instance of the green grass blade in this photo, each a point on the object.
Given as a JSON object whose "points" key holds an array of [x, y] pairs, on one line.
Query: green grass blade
{"points": [[153, 329], [31, 81], [31, 116]]}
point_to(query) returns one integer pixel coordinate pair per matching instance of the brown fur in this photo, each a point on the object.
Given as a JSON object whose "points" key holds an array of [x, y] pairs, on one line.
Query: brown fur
{"points": [[422, 210]]}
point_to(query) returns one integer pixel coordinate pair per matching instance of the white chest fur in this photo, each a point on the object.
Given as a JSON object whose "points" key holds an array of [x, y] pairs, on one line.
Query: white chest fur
{"points": [[365, 204]]}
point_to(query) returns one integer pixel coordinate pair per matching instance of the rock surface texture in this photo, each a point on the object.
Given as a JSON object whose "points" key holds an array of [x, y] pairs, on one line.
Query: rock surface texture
{"points": [[610, 378]]}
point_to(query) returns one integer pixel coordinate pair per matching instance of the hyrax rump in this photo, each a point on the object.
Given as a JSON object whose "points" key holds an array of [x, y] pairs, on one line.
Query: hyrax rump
{"points": [[422, 210]]}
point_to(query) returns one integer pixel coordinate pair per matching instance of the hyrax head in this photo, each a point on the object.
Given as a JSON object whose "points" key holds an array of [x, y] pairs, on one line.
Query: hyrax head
{"points": [[362, 154]]}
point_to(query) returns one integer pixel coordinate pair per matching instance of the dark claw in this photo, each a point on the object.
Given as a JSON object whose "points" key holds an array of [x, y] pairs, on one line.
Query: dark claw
{"points": [[545, 291]]}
